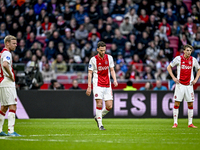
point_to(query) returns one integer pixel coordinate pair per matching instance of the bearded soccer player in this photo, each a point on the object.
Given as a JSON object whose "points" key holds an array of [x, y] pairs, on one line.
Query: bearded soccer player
{"points": [[101, 66], [184, 83], [8, 95]]}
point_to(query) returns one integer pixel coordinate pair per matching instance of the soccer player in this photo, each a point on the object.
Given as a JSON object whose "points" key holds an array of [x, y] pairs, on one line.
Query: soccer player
{"points": [[8, 95], [101, 66], [184, 83]]}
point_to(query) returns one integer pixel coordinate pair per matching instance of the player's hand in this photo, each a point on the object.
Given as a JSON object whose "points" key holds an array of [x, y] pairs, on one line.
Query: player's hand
{"points": [[176, 80], [88, 92], [194, 82], [115, 83], [12, 78]]}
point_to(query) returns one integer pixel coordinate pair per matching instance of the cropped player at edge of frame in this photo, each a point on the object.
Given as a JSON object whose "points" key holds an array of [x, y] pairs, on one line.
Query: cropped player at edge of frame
{"points": [[101, 66], [184, 83], [8, 95]]}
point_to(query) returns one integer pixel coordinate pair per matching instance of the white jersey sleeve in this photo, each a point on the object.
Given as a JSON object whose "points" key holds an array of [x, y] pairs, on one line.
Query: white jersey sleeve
{"points": [[111, 62], [196, 64], [6, 56], [91, 64], [176, 61]]}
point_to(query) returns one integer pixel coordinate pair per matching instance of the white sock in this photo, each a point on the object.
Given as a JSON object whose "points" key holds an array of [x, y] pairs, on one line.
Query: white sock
{"points": [[99, 116], [11, 121], [190, 116], [104, 111], [175, 114], [2, 117]]}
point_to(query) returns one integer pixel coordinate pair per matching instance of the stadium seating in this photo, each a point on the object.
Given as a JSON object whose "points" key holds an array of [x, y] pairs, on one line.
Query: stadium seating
{"points": [[62, 77], [42, 40], [188, 3]]}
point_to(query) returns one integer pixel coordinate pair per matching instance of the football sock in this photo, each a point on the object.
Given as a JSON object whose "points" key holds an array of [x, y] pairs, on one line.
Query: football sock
{"points": [[11, 121], [175, 114], [190, 115], [99, 115], [105, 111], [2, 117]]}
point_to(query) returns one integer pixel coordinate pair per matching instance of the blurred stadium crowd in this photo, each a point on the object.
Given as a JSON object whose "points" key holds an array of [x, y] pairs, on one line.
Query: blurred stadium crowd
{"points": [[60, 36]]}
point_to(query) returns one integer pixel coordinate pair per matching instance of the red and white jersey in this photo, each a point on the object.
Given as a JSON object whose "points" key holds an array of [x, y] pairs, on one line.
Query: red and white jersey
{"points": [[185, 68], [101, 70], [5, 55]]}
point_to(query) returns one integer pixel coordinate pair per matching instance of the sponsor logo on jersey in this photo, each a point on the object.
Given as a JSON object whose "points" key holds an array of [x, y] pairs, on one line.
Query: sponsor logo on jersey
{"points": [[106, 62], [16, 99], [8, 58], [100, 68], [175, 97], [190, 62], [96, 95], [186, 67], [90, 66]]}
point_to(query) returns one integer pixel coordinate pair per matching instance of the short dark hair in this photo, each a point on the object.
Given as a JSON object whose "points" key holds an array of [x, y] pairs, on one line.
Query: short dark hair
{"points": [[188, 46], [101, 44], [129, 83]]}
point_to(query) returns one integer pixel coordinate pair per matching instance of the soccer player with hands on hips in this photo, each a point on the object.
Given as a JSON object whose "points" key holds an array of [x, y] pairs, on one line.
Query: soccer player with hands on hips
{"points": [[101, 66], [8, 95], [184, 82]]}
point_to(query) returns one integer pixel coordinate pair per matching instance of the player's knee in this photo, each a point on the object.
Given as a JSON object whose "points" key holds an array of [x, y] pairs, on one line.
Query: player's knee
{"points": [[190, 105], [99, 105], [4, 109], [177, 104]]}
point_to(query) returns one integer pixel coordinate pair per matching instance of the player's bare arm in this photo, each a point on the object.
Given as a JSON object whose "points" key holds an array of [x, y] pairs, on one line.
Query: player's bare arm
{"points": [[112, 71], [169, 69], [88, 92], [6, 67], [196, 78]]}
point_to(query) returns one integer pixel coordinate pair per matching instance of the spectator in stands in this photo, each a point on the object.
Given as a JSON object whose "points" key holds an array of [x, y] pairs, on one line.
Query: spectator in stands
{"points": [[9, 22], [32, 40], [114, 51], [3, 32], [93, 15], [39, 29], [125, 27], [21, 49], [169, 5], [86, 51], [108, 34], [161, 67], [144, 5], [68, 39], [81, 34], [100, 26], [168, 51], [68, 15], [132, 16], [144, 17], [30, 17], [119, 73], [62, 50], [195, 15], [50, 51], [47, 73], [35, 46], [105, 14], [182, 17], [13, 6], [27, 57], [59, 65], [131, 5], [75, 85], [51, 6], [16, 59], [196, 43], [148, 72], [16, 15], [112, 23], [183, 40], [134, 74], [159, 86], [56, 38], [141, 51], [61, 25], [161, 34], [145, 39], [88, 25], [119, 40], [38, 7], [80, 15], [22, 24], [129, 86], [190, 26], [139, 26], [132, 40], [3, 14], [179, 4], [148, 86], [170, 17], [176, 29], [94, 31], [74, 53], [128, 52], [119, 9], [46, 24], [137, 62], [94, 40], [153, 25], [14, 29], [55, 85], [152, 52], [166, 27]]}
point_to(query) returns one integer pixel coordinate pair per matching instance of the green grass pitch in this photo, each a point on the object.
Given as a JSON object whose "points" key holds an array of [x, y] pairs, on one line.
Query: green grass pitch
{"points": [[83, 134]]}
